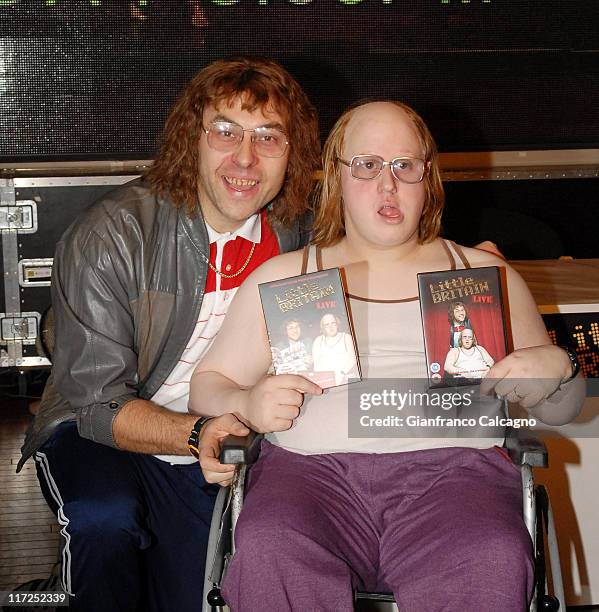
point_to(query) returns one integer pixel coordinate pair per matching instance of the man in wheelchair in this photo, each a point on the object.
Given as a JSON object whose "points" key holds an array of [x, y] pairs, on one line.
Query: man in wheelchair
{"points": [[437, 522]]}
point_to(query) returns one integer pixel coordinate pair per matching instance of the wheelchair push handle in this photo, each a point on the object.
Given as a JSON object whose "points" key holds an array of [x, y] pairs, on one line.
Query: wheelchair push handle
{"points": [[239, 450]]}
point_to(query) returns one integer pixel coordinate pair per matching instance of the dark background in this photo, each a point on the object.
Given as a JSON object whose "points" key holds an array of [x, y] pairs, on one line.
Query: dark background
{"points": [[84, 79], [527, 219]]}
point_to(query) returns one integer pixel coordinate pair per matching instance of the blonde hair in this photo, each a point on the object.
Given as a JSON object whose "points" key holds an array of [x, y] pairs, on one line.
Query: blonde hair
{"points": [[329, 224]]}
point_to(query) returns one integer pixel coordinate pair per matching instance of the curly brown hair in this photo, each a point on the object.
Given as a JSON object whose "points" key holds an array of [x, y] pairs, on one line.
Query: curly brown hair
{"points": [[258, 83], [329, 223]]}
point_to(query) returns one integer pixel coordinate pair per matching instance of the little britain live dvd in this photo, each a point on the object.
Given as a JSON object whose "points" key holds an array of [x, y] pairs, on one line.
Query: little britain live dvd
{"points": [[463, 322], [309, 328]]}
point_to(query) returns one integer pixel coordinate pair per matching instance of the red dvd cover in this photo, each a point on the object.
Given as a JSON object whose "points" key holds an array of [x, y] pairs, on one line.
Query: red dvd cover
{"points": [[463, 322]]}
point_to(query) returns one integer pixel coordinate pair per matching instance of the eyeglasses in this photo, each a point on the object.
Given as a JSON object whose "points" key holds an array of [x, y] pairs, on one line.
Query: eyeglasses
{"points": [[368, 167], [226, 136]]}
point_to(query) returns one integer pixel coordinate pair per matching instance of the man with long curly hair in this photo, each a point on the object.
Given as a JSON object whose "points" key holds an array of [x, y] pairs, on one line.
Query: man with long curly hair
{"points": [[141, 284]]}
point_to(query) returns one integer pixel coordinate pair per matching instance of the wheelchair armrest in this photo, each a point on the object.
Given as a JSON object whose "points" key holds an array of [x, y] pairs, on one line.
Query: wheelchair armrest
{"points": [[524, 448], [241, 449]]}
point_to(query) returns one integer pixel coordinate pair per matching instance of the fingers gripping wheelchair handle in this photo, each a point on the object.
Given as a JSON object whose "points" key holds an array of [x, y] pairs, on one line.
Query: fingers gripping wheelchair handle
{"points": [[241, 449]]}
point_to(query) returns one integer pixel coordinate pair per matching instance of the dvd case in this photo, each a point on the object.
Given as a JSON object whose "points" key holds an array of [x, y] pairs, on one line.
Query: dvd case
{"points": [[309, 328], [463, 322]]}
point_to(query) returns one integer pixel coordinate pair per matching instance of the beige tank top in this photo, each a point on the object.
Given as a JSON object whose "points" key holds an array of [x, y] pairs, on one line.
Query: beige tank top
{"points": [[390, 345]]}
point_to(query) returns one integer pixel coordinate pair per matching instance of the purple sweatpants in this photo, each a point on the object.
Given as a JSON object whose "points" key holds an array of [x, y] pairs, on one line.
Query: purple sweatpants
{"points": [[442, 529]]}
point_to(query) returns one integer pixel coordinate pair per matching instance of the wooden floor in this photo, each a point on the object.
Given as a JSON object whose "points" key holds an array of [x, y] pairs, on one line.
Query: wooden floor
{"points": [[28, 529]]}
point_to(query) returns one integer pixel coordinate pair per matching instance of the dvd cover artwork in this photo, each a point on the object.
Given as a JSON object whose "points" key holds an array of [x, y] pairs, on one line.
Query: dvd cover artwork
{"points": [[463, 323], [309, 328]]}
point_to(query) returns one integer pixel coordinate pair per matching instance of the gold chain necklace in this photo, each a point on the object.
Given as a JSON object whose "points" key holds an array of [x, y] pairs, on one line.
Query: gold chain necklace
{"points": [[222, 274], [207, 259]]}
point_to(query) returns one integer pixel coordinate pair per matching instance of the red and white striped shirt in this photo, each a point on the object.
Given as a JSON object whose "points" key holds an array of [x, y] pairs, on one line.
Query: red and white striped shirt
{"points": [[228, 252]]}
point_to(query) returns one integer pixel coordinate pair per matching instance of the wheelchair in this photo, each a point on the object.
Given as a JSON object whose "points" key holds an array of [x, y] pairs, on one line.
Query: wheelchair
{"points": [[525, 451]]}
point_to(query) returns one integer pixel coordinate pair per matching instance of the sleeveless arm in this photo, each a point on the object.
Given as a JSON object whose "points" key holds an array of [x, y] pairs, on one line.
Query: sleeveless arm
{"points": [[241, 350], [489, 361], [450, 360], [536, 368], [240, 355]]}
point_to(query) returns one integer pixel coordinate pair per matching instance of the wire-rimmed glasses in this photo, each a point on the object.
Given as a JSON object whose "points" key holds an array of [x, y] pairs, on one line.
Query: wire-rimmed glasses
{"points": [[226, 136], [367, 167]]}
